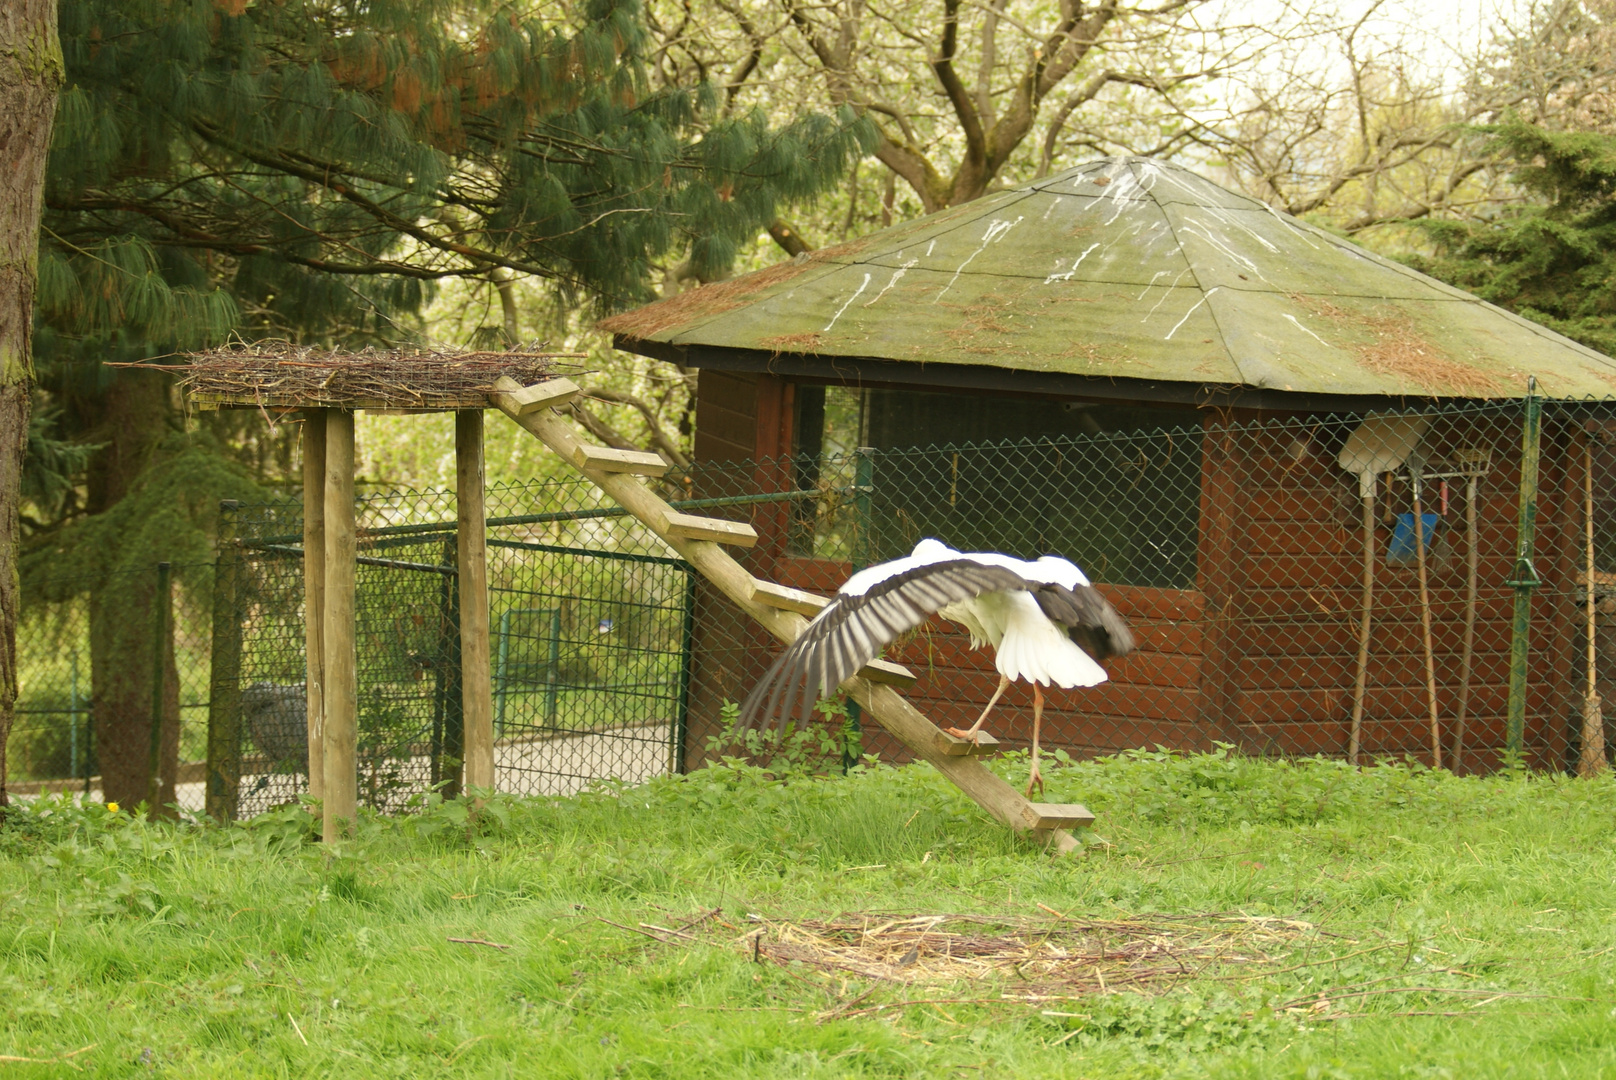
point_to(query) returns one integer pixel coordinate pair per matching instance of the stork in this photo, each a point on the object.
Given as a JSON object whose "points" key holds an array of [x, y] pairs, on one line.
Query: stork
{"points": [[1046, 624]]}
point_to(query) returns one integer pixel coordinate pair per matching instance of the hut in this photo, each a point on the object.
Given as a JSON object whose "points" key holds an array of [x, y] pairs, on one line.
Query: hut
{"points": [[1166, 380]]}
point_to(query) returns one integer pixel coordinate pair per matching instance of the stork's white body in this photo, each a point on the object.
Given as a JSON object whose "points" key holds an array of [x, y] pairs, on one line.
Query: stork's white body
{"points": [[1026, 645], [1034, 614]]}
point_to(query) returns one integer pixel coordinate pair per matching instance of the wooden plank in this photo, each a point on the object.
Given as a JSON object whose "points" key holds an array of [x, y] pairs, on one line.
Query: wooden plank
{"points": [[608, 459], [886, 673], [550, 394], [719, 531], [221, 798], [314, 429], [341, 804], [476, 678], [880, 703], [788, 599], [980, 745], [1041, 815]]}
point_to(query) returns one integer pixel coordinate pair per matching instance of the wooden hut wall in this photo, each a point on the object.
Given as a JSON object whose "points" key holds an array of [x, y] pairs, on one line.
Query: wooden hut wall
{"points": [[738, 419], [1261, 654], [1282, 571]]}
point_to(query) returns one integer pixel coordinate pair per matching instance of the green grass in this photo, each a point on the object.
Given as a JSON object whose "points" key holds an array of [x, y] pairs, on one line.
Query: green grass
{"points": [[192, 951]]}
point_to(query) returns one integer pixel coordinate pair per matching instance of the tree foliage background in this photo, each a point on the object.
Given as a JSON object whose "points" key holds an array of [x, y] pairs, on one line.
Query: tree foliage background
{"points": [[467, 172], [317, 171]]}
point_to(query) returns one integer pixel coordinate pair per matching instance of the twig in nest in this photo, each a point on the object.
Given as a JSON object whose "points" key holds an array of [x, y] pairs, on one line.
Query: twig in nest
{"points": [[283, 375]]}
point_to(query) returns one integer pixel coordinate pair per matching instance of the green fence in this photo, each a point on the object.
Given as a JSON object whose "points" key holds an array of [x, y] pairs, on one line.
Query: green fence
{"points": [[1238, 549]]}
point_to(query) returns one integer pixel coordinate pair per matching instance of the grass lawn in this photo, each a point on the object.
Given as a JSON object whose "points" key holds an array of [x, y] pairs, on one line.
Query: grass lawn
{"points": [[1243, 919]]}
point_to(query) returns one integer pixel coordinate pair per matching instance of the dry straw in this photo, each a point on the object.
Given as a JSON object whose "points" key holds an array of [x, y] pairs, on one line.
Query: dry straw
{"points": [[277, 374]]}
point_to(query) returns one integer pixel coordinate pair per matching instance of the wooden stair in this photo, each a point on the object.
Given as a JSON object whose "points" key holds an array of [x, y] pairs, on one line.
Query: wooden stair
{"points": [[608, 459], [983, 745], [782, 612]]}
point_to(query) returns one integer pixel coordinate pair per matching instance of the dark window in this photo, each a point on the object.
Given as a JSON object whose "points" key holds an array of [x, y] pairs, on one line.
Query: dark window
{"points": [[1114, 488]]}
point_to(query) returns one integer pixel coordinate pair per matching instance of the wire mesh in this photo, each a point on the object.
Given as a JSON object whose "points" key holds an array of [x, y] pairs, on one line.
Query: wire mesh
{"points": [[588, 621], [1235, 546], [66, 714]]}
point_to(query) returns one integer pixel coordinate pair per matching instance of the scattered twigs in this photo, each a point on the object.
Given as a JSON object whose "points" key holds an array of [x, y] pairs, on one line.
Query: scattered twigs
{"points": [[279, 374], [478, 941], [1047, 958], [12, 1059]]}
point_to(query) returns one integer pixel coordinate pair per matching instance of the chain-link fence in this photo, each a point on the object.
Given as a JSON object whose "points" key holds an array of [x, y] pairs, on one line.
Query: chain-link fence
{"points": [[1235, 545], [589, 621], [86, 669]]}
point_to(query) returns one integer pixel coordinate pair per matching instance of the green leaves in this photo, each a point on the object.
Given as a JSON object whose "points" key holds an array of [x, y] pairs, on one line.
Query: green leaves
{"points": [[1552, 259], [413, 138]]}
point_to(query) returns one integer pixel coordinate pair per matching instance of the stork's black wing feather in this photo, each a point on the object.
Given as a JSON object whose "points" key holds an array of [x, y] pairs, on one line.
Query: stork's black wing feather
{"points": [[852, 630], [1089, 618]]}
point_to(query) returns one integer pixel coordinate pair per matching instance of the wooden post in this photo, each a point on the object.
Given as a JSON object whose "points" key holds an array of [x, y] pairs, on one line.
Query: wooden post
{"points": [[162, 632], [341, 688], [1425, 623], [314, 425], [1220, 575], [224, 698], [476, 679], [890, 710]]}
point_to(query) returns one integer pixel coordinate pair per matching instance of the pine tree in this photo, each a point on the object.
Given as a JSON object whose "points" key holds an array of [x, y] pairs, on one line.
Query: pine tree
{"points": [[309, 170], [30, 75], [1552, 259]]}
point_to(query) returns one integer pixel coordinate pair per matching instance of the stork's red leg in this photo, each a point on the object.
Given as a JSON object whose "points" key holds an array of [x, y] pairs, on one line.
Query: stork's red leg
{"points": [[1004, 683], [1033, 777]]}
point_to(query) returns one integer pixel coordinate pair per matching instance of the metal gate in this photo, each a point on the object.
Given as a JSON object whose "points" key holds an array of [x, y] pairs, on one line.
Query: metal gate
{"points": [[591, 658]]}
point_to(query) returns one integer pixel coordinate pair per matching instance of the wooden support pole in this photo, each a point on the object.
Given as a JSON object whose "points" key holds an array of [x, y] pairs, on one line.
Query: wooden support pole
{"points": [[162, 643], [1425, 625], [476, 679], [891, 711], [222, 793], [314, 425], [341, 687]]}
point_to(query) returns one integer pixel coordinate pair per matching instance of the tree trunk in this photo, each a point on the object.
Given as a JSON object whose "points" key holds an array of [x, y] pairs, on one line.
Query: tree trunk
{"points": [[30, 76], [132, 420]]}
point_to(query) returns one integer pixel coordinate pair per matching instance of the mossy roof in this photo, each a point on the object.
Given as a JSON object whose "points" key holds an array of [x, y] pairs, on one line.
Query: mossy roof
{"points": [[1130, 268]]}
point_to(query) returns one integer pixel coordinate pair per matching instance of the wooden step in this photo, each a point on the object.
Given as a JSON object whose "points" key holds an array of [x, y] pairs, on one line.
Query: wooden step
{"points": [[1043, 815], [691, 527], [552, 393], [887, 673], [786, 598], [606, 459], [954, 746]]}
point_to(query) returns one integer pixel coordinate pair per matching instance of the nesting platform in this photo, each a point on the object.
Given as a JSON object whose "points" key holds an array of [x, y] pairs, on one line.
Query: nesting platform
{"points": [[283, 378], [327, 387]]}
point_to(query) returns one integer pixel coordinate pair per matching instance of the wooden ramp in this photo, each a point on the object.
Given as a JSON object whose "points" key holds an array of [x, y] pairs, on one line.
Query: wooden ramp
{"points": [[781, 611]]}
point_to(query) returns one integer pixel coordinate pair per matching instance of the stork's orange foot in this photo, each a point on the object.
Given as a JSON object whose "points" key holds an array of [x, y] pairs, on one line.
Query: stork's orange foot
{"points": [[962, 733], [1035, 779]]}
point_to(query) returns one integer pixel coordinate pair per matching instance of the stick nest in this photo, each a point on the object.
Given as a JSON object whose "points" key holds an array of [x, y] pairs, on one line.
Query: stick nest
{"points": [[274, 374]]}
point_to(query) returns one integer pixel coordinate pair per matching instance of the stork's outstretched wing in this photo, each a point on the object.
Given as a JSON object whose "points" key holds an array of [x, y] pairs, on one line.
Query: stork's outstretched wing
{"points": [[1089, 618], [853, 629]]}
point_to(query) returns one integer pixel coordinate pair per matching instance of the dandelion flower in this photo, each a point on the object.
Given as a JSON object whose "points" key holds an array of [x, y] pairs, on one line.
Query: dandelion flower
{"points": [[112, 808]]}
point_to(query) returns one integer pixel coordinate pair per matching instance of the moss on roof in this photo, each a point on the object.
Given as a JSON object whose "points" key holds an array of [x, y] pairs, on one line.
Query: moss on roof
{"points": [[1130, 267]]}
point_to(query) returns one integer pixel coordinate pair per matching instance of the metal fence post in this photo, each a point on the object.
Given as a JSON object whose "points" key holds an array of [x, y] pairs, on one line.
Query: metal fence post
{"points": [[162, 622], [73, 718], [552, 672], [687, 641], [224, 694], [1525, 578]]}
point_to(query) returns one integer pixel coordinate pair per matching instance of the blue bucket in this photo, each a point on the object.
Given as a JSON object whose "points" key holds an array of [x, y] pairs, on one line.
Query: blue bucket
{"points": [[1402, 549]]}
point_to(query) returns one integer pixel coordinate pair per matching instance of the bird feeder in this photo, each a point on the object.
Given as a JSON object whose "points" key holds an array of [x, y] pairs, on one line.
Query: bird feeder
{"points": [[327, 389]]}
